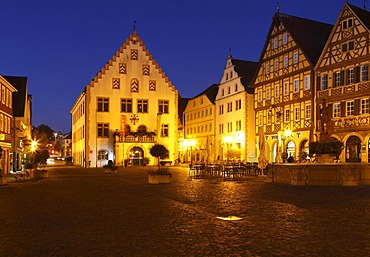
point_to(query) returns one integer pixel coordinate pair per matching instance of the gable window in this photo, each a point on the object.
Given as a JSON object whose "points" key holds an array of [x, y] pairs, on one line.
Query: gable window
{"points": [[267, 68], [142, 106], [152, 85], [259, 95], [115, 83], [365, 106], [348, 46], [126, 105], [296, 85], [307, 85], [346, 24], [336, 110], [134, 85], [134, 54], [285, 38], [286, 61], [103, 130], [103, 104], [236, 87], [228, 90], [146, 70], [276, 43], [350, 108], [365, 73], [295, 57], [286, 88], [223, 92], [268, 93], [164, 130], [163, 106], [276, 67], [324, 82], [122, 68], [231, 74]]}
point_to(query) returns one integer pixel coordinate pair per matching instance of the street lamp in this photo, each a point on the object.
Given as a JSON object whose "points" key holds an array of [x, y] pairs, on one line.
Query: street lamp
{"points": [[55, 135]]}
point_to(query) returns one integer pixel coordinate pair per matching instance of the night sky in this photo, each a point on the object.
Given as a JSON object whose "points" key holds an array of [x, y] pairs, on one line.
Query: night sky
{"points": [[61, 45]]}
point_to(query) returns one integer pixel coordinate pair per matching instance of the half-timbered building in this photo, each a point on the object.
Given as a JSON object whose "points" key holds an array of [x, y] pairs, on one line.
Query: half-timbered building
{"points": [[343, 82], [284, 84]]}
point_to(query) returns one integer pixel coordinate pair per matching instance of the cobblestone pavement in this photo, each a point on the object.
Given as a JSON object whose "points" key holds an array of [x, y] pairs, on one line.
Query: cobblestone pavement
{"points": [[84, 212]]}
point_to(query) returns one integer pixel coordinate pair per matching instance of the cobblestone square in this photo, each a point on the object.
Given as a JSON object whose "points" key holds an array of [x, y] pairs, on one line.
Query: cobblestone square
{"points": [[85, 212]]}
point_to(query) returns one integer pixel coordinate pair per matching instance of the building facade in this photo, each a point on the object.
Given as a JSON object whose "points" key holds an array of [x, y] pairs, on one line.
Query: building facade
{"points": [[6, 121], [343, 84], [235, 137], [21, 122], [284, 85], [129, 106], [198, 143]]}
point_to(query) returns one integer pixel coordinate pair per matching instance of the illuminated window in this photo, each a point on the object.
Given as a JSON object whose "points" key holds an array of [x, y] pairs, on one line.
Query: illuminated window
{"points": [[350, 106], [297, 113], [307, 111], [259, 95], [296, 85], [268, 93], [103, 155], [287, 115], [336, 110], [365, 106], [307, 83], [286, 88], [277, 91]]}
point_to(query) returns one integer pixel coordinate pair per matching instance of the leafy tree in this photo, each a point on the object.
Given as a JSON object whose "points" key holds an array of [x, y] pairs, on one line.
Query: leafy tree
{"points": [[159, 151]]}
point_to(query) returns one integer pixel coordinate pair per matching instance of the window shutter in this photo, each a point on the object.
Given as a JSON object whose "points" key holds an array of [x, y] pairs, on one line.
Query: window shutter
{"points": [[347, 77], [330, 107], [343, 109], [342, 73], [357, 107], [357, 74]]}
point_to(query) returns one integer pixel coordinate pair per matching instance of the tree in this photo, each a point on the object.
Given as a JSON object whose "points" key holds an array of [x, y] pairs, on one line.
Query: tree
{"points": [[159, 151]]}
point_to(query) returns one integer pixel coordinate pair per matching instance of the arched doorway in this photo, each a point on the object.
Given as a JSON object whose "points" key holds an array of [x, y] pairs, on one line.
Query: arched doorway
{"points": [[137, 156], [290, 149], [353, 149]]}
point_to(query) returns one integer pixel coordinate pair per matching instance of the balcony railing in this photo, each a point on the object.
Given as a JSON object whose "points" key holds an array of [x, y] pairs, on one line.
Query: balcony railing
{"points": [[343, 90], [352, 122], [138, 139]]}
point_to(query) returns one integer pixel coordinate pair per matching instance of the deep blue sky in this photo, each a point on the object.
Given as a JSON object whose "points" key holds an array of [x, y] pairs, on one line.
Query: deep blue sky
{"points": [[61, 45]]}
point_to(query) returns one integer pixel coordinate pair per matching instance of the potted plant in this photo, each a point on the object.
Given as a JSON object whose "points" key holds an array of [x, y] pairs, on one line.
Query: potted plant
{"points": [[161, 174], [110, 167], [327, 150]]}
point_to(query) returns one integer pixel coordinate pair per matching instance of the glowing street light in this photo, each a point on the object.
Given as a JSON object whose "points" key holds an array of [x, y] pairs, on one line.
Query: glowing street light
{"points": [[33, 145]]}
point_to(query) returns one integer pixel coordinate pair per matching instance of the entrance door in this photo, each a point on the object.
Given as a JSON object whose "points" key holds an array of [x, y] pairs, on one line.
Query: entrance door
{"points": [[353, 149], [137, 156]]}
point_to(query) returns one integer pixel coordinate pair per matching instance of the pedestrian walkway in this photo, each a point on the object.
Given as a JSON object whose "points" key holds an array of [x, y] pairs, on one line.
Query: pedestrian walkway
{"points": [[85, 212]]}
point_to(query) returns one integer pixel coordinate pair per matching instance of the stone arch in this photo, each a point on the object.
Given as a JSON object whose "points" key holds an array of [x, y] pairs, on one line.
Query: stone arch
{"points": [[353, 149]]}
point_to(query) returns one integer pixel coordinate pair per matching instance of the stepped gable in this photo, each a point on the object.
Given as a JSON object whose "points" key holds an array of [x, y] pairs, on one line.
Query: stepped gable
{"points": [[210, 92], [310, 35], [246, 70], [133, 37], [19, 98], [362, 14]]}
